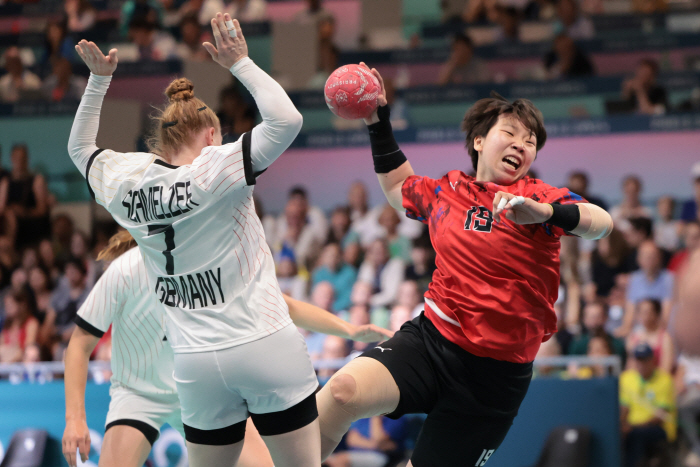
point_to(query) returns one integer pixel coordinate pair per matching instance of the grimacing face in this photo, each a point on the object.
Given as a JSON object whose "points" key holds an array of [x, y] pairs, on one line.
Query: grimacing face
{"points": [[506, 153]]}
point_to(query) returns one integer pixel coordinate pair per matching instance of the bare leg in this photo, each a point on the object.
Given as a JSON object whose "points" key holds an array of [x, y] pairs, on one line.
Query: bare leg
{"points": [[202, 455], [255, 453], [298, 448], [362, 388], [124, 446]]}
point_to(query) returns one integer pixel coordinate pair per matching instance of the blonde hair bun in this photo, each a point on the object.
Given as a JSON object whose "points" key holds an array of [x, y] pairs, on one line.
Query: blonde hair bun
{"points": [[180, 89]]}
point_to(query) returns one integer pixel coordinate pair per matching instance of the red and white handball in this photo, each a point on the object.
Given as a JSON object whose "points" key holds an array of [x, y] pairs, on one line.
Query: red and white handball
{"points": [[351, 92]]}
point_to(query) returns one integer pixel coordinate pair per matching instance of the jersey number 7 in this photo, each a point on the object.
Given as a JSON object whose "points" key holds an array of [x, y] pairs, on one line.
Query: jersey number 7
{"points": [[167, 229]]}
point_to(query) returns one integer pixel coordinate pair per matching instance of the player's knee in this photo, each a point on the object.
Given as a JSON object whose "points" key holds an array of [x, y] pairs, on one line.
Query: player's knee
{"points": [[343, 388]]}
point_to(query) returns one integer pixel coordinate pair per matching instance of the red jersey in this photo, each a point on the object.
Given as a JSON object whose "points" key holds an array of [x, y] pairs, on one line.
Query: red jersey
{"points": [[494, 289]]}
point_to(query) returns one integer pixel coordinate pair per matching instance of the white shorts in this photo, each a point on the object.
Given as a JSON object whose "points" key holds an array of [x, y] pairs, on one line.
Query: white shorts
{"points": [[220, 388], [154, 410]]}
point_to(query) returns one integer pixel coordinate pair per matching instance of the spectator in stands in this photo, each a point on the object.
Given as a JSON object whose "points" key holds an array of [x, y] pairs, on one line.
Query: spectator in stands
{"points": [[640, 230], [190, 46], [291, 282], [508, 21], [688, 391], [364, 221], [631, 205], [68, 296], [649, 6], [340, 233], [17, 81], [599, 345], [41, 290], [595, 315], [651, 281], [539, 10], [647, 407], [334, 348], [376, 441], [232, 108], [653, 333], [422, 264], [691, 207], [204, 10], [608, 261], [247, 11], [332, 269], [25, 201], [151, 44], [481, 11], [667, 230], [62, 229], [151, 11], [81, 15], [359, 315], [322, 295], [80, 250], [7, 260], [383, 272], [399, 245], [642, 92], [578, 183], [56, 42], [549, 348], [566, 60], [571, 22], [313, 13], [410, 296], [327, 63], [691, 242], [302, 228], [20, 328], [463, 67], [62, 85], [399, 315]]}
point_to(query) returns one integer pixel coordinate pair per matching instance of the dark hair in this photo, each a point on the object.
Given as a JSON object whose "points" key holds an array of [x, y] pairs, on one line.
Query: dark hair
{"points": [[77, 263], [483, 115], [603, 304], [634, 179], [190, 19], [139, 22], [463, 38], [579, 174], [651, 63], [642, 224], [601, 334], [655, 305], [21, 146], [298, 190]]}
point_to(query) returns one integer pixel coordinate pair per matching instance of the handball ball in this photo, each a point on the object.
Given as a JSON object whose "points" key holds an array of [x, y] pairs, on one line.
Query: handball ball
{"points": [[351, 92]]}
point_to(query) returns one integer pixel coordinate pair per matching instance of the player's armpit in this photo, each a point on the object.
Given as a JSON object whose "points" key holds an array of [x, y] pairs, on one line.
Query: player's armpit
{"points": [[595, 223]]}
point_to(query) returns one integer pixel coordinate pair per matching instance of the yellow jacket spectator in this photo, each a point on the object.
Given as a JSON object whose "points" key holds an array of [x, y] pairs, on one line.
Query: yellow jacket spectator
{"points": [[647, 406]]}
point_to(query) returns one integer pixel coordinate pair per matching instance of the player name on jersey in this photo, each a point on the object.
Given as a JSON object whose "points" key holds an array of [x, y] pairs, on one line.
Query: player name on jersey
{"points": [[190, 290], [152, 204]]}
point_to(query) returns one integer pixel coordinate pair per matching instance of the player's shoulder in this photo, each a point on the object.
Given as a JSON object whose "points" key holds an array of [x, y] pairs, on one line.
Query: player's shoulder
{"points": [[541, 191]]}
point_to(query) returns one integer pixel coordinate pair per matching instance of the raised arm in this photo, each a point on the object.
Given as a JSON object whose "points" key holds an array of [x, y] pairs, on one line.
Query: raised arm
{"points": [[390, 163], [281, 120], [83, 134]]}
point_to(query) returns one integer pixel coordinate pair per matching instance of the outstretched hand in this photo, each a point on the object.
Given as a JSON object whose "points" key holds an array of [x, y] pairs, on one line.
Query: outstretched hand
{"points": [[99, 64], [381, 98], [228, 50], [370, 333], [519, 209]]}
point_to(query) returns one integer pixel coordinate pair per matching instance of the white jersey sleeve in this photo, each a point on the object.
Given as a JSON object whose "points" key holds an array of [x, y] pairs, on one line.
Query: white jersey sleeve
{"points": [[141, 357]]}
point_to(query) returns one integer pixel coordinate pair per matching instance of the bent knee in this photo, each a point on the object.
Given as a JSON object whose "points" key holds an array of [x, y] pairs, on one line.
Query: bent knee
{"points": [[343, 388]]}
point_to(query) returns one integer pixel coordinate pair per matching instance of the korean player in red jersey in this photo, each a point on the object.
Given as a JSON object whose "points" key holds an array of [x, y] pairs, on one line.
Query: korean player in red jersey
{"points": [[466, 361]]}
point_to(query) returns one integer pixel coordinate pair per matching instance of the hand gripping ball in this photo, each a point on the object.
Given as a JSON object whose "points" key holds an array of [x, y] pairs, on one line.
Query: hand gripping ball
{"points": [[351, 92]]}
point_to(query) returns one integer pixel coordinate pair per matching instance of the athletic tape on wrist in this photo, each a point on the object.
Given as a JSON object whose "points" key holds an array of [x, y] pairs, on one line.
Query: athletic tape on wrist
{"points": [[385, 150], [565, 216]]}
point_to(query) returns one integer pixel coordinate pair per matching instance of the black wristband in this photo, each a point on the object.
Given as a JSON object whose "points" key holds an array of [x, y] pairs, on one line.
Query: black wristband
{"points": [[385, 150], [566, 216]]}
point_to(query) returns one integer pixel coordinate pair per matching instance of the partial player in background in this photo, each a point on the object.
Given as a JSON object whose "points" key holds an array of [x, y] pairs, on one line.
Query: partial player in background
{"points": [[143, 392], [189, 205], [466, 361]]}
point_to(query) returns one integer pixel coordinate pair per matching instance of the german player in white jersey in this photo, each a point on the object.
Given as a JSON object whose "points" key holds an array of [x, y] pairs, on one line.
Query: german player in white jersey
{"points": [[143, 392], [189, 206]]}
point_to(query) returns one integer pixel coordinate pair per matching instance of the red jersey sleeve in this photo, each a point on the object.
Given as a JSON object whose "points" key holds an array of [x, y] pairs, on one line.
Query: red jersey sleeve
{"points": [[419, 195], [553, 195]]}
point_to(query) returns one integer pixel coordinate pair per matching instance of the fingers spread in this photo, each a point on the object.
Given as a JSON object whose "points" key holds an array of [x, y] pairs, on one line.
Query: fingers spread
{"points": [[216, 31]]}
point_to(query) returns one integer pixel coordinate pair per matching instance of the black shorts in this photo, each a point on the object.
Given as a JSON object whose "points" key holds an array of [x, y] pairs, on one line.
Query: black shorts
{"points": [[470, 401]]}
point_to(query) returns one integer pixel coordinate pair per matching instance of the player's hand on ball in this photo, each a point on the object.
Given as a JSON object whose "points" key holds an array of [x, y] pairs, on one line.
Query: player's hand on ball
{"points": [[381, 98], [98, 63], [519, 209], [76, 437], [370, 333], [230, 43]]}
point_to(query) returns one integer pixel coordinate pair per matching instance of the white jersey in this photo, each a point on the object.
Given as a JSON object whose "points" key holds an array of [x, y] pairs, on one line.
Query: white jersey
{"points": [[141, 358], [203, 245]]}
